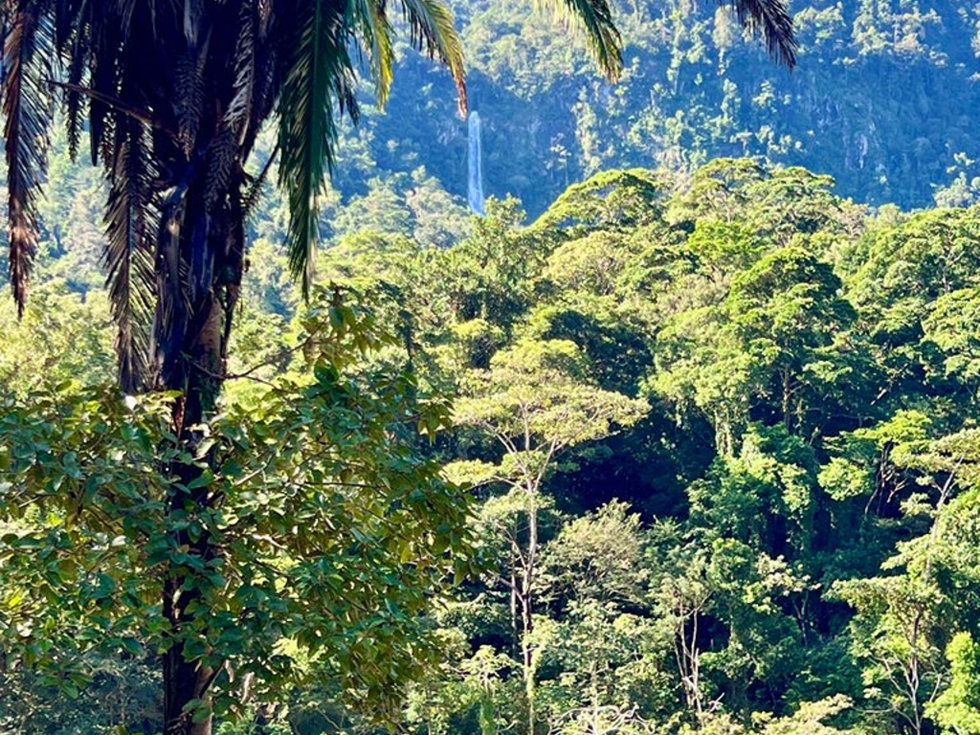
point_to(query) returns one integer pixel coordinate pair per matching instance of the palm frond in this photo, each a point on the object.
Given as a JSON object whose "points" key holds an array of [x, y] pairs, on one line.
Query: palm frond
{"points": [[128, 256], [255, 185], [772, 19], [246, 69], [433, 30], [190, 96], [27, 105], [68, 16], [319, 75], [369, 19], [73, 104], [222, 162], [124, 11], [72, 21], [265, 60], [595, 18], [71, 36], [103, 73]]}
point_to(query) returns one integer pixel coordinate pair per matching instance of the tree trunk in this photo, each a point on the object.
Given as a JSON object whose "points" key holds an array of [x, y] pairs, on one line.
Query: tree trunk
{"points": [[515, 628], [191, 351], [527, 606], [787, 398], [527, 657], [185, 681]]}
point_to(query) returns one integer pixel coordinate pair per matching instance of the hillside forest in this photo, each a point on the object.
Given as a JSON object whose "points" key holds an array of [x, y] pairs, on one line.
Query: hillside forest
{"points": [[678, 437], [882, 99]]}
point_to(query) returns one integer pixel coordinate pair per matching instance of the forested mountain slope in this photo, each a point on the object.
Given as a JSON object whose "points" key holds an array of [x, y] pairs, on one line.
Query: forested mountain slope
{"points": [[884, 99]]}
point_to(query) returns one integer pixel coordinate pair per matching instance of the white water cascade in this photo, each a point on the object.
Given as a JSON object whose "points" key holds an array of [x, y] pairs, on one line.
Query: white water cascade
{"points": [[474, 160]]}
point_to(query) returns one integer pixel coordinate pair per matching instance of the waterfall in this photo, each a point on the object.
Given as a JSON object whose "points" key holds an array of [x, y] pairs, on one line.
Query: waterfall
{"points": [[474, 160]]}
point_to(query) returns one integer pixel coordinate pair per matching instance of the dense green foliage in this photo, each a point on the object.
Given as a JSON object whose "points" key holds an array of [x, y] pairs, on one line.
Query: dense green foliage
{"points": [[721, 434], [173, 547], [333, 534], [882, 98]]}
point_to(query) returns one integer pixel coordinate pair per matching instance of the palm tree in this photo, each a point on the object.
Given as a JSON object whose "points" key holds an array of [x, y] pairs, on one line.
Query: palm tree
{"points": [[171, 95]]}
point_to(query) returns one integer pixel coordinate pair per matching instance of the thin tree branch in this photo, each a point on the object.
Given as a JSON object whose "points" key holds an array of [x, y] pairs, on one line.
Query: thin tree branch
{"points": [[116, 104]]}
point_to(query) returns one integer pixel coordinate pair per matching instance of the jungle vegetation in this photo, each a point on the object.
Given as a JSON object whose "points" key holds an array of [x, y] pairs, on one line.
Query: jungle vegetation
{"points": [[719, 433], [688, 449]]}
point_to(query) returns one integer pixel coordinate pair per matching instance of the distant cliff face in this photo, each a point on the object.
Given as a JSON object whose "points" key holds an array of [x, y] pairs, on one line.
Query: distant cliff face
{"points": [[886, 98]]}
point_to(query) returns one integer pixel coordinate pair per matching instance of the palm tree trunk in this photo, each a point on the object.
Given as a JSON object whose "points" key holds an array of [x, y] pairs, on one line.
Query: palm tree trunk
{"points": [[186, 682], [192, 352]]}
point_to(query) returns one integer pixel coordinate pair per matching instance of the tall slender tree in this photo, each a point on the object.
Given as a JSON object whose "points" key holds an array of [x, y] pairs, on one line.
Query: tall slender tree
{"points": [[172, 94]]}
